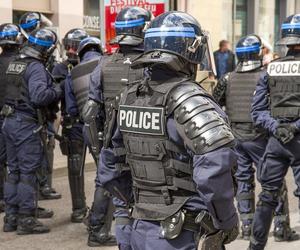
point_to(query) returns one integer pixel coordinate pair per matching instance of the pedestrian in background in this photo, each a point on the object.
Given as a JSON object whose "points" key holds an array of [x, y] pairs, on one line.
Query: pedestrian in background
{"points": [[224, 59]]}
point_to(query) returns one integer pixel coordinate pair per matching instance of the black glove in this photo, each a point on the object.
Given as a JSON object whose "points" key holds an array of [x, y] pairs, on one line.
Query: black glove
{"points": [[285, 132], [231, 235]]}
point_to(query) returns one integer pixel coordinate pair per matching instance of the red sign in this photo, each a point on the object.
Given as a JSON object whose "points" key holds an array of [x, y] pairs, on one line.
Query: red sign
{"points": [[113, 7]]}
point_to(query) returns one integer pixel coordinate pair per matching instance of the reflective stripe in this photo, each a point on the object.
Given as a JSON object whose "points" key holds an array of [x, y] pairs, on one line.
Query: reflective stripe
{"points": [[184, 29], [247, 49], [129, 23], [8, 33], [170, 34], [286, 26], [29, 25], [40, 42]]}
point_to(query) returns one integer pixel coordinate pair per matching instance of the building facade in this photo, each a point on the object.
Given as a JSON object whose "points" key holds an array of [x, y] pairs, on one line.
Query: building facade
{"points": [[225, 19]]}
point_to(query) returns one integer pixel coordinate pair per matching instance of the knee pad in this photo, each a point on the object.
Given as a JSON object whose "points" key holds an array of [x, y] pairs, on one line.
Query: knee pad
{"points": [[269, 198], [74, 164]]}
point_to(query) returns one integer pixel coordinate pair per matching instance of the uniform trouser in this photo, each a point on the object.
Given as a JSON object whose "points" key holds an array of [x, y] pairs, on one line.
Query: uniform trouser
{"points": [[123, 224], [249, 153], [2, 160], [274, 166], [24, 156], [145, 235]]}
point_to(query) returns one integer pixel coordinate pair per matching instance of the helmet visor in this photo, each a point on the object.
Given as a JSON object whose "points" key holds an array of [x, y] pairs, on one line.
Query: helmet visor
{"points": [[176, 40]]}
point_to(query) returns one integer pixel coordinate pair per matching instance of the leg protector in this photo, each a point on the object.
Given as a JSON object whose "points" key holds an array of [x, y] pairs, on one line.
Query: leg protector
{"points": [[2, 180], [11, 193], [27, 194], [76, 181]]}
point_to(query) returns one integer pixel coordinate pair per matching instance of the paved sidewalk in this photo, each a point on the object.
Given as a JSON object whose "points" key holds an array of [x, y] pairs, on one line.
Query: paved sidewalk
{"points": [[65, 235]]}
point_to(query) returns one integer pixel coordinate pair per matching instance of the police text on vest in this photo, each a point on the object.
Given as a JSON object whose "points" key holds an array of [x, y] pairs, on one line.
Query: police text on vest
{"points": [[291, 68], [144, 120]]}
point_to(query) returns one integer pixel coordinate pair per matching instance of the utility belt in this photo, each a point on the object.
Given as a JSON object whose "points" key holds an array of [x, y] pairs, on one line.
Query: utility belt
{"points": [[8, 111]]}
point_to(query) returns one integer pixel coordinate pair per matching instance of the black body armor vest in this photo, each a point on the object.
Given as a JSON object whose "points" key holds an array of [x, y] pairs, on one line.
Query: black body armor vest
{"points": [[284, 87], [239, 94], [17, 88], [116, 75], [4, 61], [80, 78], [162, 182]]}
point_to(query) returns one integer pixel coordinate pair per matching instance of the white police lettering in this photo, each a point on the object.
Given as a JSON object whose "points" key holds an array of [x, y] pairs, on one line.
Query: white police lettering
{"points": [[291, 68], [16, 68], [148, 120]]}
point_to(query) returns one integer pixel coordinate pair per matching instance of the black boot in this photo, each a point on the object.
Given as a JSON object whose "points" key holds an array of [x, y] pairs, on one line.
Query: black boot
{"points": [[78, 215], [30, 225], [99, 236], [10, 223], [246, 231], [43, 213], [48, 193], [283, 232]]}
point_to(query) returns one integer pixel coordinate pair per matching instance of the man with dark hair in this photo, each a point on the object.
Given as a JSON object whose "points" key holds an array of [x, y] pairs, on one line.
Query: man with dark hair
{"points": [[224, 58]]}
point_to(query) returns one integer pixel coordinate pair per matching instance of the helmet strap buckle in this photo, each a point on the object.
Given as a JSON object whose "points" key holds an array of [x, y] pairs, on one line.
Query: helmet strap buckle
{"points": [[197, 42]]}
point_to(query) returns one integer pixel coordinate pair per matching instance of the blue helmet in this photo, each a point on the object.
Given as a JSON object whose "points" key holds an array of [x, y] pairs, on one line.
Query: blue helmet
{"points": [[130, 25], [73, 37], [30, 21], [176, 33], [88, 44], [290, 31], [249, 53], [10, 34], [41, 44], [249, 48]]}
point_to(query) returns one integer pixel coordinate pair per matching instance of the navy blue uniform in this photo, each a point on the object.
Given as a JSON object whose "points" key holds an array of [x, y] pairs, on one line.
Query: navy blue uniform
{"points": [[23, 145], [123, 225], [211, 173], [5, 57], [274, 165]]}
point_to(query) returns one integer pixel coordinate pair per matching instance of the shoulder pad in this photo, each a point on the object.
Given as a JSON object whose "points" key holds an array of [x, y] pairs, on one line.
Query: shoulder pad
{"points": [[16, 68], [198, 122], [181, 92]]}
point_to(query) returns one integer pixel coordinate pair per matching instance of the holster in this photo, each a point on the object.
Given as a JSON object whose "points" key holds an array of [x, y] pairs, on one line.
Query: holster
{"points": [[172, 227], [211, 237]]}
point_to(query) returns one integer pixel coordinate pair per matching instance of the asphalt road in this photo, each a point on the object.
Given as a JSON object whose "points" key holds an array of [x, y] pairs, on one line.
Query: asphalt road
{"points": [[65, 235]]}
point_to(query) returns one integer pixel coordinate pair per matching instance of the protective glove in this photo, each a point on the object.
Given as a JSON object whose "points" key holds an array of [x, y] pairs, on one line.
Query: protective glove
{"points": [[231, 234], [285, 132]]}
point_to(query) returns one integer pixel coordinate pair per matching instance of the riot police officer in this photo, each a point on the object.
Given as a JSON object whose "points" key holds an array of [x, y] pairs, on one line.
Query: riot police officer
{"points": [[234, 91], [76, 93], [276, 108], [73, 145], [29, 22], [107, 80], [177, 144], [29, 91], [10, 39]]}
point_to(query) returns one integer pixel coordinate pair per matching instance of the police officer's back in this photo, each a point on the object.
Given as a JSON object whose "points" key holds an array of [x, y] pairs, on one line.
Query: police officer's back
{"points": [[10, 39], [276, 108], [108, 79], [161, 119], [28, 94]]}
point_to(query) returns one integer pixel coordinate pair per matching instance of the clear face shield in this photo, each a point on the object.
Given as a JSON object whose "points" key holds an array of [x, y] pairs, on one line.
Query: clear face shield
{"points": [[208, 62]]}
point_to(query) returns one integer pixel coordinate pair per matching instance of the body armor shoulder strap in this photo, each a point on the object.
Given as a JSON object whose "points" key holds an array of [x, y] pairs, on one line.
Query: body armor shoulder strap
{"points": [[197, 121]]}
